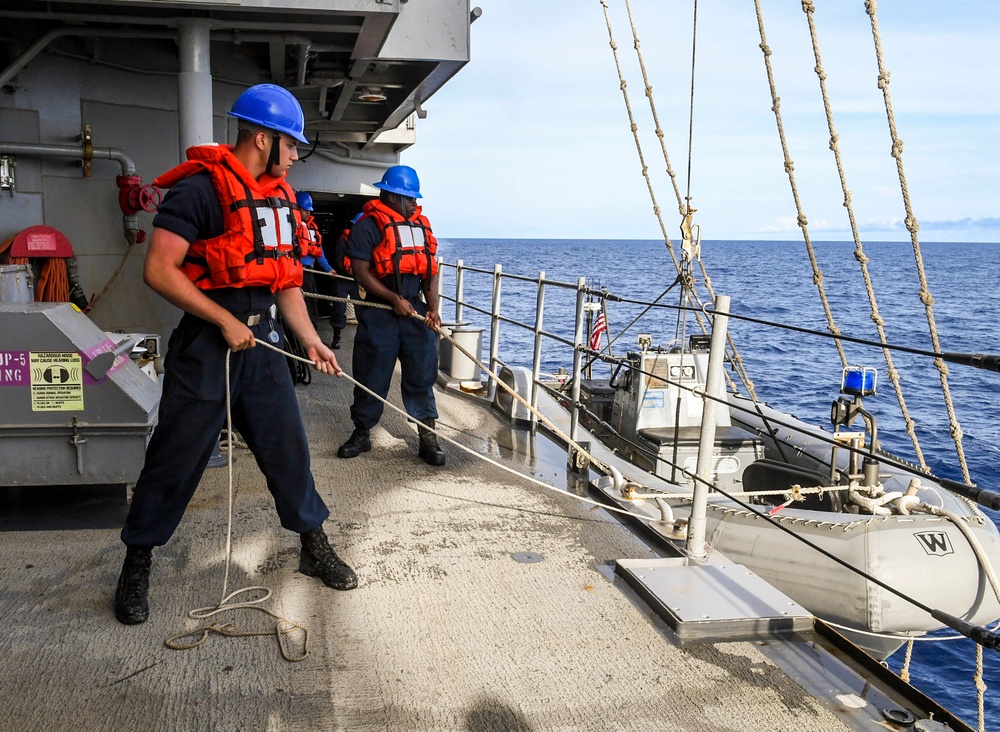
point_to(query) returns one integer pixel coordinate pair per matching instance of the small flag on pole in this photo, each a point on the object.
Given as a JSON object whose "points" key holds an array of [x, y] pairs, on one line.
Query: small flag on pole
{"points": [[595, 335]]}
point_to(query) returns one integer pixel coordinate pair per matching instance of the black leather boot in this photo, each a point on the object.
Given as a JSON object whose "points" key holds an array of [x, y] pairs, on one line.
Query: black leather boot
{"points": [[335, 343], [131, 607], [430, 451], [357, 443], [317, 559]]}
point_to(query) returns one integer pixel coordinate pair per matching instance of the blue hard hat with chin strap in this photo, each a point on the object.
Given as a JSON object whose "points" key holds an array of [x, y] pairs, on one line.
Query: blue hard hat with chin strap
{"points": [[305, 200], [400, 179], [272, 107]]}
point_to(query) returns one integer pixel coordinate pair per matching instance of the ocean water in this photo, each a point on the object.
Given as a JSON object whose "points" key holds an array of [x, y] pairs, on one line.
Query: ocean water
{"points": [[799, 373]]}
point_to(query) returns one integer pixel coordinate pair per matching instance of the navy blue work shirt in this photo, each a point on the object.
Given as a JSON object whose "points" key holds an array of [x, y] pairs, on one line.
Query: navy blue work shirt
{"points": [[191, 209]]}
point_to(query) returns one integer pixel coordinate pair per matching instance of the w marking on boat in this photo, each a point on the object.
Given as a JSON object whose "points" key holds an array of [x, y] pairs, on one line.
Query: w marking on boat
{"points": [[935, 542]]}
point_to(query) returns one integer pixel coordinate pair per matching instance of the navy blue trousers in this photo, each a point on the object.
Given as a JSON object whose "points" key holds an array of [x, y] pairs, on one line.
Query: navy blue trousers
{"points": [[342, 288], [193, 412], [383, 338]]}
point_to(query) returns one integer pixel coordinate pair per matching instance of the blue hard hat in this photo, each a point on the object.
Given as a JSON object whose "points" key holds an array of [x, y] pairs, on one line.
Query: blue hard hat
{"points": [[273, 107], [401, 179], [305, 200]]}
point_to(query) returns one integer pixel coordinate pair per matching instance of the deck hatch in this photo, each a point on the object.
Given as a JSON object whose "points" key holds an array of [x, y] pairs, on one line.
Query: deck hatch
{"points": [[716, 600]]}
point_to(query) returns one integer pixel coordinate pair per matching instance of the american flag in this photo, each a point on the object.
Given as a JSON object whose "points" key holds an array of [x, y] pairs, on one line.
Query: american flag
{"points": [[595, 335]]}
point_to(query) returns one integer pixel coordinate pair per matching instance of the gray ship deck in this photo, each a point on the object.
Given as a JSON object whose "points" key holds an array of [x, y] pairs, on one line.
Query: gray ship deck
{"points": [[445, 632]]}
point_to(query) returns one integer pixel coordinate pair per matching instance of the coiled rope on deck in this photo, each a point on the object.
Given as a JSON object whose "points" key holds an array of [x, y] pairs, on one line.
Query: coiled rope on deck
{"points": [[283, 627]]}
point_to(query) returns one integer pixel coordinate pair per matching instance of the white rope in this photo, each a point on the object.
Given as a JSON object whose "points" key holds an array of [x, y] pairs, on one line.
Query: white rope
{"points": [[282, 627], [794, 490], [974, 543], [908, 638], [462, 447], [984, 562]]}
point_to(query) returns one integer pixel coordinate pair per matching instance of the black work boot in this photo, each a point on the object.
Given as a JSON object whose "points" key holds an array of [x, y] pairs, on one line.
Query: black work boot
{"points": [[430, 451], [131, 607], [317, 559], [335, 343], [357, 443]]}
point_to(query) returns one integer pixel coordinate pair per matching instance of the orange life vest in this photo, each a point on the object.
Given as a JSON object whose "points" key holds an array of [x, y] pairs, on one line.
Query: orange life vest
{"points": [[341, 262], [408, 246], [309, 236], [259, 246]]}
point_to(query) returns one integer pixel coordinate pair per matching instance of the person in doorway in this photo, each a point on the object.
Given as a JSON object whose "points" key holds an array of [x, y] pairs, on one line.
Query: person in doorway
{"points": [[342, 288], [224, 250], [312, 253], [392, 248]]}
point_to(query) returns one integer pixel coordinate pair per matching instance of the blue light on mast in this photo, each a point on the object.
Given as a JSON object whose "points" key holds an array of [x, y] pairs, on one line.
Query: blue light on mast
{"points": [[859, 381]]}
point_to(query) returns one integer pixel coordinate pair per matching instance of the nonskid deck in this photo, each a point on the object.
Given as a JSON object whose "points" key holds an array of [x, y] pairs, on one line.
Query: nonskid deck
{"points": [[447, 630]]}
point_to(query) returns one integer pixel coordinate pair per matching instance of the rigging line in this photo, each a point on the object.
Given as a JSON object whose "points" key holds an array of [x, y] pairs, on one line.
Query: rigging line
{"points": [[803, 223], [985, 361], [612, 341], [635, 136], [988, 498], [694, 39], [470, 451], [681, 207], [808, 7], [988, 362], [652, 108], [983, 636], [912, 226]]}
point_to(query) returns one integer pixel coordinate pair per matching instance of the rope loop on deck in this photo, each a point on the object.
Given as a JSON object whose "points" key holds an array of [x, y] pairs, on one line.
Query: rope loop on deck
{"points": [[283, 626]]}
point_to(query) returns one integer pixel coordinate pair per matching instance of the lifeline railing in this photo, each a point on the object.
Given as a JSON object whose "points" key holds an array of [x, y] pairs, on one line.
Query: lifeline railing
{"points": [[538, 329], [712, 391]]}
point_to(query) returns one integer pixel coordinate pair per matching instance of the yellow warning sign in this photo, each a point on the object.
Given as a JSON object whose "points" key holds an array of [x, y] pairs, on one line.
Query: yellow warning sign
{"points": [[56, 382]]}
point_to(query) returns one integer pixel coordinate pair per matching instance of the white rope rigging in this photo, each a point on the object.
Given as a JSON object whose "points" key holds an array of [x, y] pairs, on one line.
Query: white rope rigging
{"points": [[912, 227], [876, 504], [801, 219]]}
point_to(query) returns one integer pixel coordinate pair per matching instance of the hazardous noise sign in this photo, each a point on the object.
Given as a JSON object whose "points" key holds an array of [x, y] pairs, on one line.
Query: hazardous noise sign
{"points": [[56, 382]]}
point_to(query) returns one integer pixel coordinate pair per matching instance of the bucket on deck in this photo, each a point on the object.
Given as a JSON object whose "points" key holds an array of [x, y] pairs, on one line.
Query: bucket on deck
{"points": [[16, 283], [444, 345], [462, 367]]}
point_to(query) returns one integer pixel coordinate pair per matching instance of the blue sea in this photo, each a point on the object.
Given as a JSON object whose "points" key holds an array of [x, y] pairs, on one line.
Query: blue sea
{"points": [[795, 372]]}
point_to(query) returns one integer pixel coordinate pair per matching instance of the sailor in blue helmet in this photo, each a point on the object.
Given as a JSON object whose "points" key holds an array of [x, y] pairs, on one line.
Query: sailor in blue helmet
{"points": [[224, 249], [392, 252], [312, 252]]}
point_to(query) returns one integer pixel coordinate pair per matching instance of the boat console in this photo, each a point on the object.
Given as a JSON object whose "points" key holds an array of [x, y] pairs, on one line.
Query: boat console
{"points": [[657, 413]]}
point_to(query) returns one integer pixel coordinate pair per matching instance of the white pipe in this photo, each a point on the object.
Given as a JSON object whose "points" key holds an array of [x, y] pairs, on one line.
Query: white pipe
{"points": [[495, 331], [574, 413], [130, 223], [70, 151], [194, 84], [706, 442]]}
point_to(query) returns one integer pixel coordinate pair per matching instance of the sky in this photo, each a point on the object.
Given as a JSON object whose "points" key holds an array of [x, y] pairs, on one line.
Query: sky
{"points": [[531, 139]]}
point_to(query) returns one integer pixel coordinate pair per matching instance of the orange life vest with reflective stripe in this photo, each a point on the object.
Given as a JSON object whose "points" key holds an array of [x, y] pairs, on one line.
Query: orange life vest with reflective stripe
{"points": [[312, 240], [259, 246], [408, 246]]}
